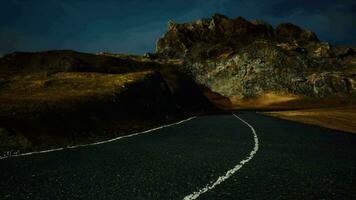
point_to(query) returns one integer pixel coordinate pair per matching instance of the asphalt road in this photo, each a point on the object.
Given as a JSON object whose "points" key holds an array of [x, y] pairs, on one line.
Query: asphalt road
{"points": [[290, 161]]}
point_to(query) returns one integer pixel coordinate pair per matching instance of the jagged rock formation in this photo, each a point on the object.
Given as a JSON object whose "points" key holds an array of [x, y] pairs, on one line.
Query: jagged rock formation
{"points": [[243, 60]]}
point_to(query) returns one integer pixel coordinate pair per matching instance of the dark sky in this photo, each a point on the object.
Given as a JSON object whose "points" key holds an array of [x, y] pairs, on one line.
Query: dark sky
{"points": [[133, 26]]}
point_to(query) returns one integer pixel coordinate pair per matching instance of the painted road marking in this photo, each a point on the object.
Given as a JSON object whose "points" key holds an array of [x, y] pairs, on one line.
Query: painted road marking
{"points": [[229, 173], [97, 143]]}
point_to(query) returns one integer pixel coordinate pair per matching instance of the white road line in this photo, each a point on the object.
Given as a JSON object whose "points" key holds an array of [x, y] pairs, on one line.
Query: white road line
{"points": [[229, 173], [97, 143]]}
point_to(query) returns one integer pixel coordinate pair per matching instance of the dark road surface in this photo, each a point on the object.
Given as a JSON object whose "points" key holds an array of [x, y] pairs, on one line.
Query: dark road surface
{"points": [[294, 161]]}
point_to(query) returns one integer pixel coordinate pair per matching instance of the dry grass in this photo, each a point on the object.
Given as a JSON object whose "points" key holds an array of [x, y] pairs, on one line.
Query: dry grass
{"points": [[66, 85], [269, 100], [275, 101], [339, 118], [23, 90], [331, 113]]}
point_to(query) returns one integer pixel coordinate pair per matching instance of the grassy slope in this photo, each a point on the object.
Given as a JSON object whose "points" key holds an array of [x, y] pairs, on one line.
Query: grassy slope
{"points": [[64, 86], [321, 112], [40, 111], [339, 118]]}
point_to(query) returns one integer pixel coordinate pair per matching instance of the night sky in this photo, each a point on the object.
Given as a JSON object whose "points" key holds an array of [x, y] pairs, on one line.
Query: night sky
{"points": [[134, 26]]}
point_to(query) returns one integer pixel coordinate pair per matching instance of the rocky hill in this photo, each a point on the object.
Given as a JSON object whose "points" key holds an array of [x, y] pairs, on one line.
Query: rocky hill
{"points": [[255, 65]]}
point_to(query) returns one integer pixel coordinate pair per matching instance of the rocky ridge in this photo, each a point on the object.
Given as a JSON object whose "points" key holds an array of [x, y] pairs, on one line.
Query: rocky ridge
{"points": [[244, 60]]}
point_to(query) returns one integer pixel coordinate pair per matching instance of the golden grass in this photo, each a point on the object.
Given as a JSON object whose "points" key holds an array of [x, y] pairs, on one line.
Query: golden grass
{"points": [[269, 100], [338, 118], [66, 85], [275, 101], [321, 112], [27, 93], [266, 101]]}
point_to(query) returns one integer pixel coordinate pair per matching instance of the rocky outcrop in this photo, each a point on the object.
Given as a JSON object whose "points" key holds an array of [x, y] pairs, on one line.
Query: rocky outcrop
{"points": [[290, 32], [264, 68], [243, 59], [208, 38]]}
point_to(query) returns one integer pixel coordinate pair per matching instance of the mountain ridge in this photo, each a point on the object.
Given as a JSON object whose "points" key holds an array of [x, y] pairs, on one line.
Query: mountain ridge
{"points": [[245, 60]]}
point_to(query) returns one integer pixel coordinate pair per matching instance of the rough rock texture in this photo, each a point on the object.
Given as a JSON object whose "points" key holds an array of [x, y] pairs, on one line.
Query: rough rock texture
{"points": [[242, 59]]}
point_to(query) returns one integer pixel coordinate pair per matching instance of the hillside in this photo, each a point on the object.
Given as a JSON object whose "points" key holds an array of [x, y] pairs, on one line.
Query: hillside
{"points": [[61, 98]]}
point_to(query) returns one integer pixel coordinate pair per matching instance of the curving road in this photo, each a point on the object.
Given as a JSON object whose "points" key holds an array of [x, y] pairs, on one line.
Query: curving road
{"points": [[247, 156]]}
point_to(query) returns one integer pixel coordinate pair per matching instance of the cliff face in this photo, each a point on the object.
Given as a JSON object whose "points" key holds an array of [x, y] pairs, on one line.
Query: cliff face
{"points": [[245, 60]]}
